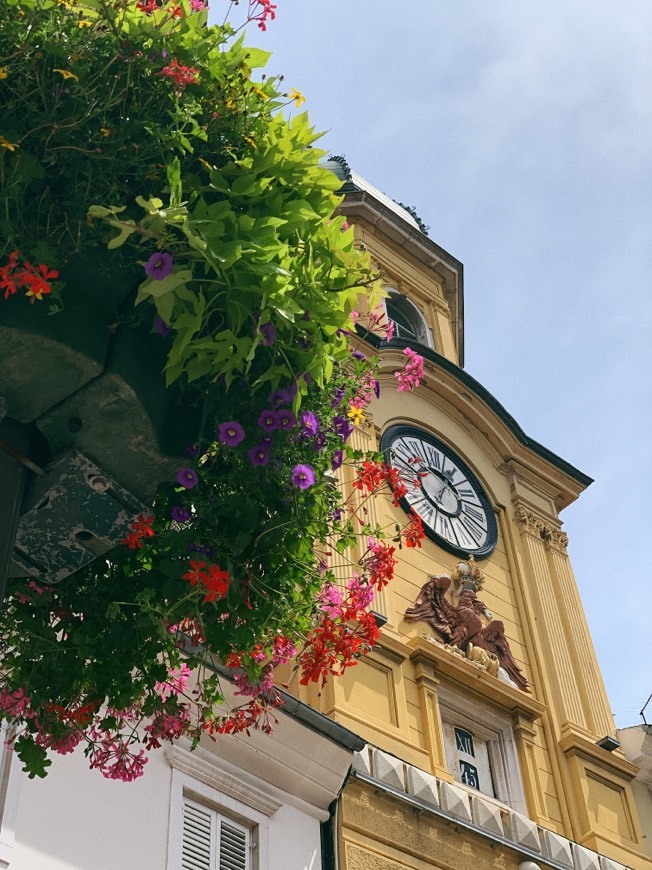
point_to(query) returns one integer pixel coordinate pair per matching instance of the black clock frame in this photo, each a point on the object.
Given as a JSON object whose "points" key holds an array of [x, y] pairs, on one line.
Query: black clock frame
{"points": [[400, 431]]}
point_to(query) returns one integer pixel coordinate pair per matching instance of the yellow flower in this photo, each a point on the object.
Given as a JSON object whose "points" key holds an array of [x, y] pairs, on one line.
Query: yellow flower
{"points": [[5, 143], [297, 96], [356, 415], [3, 72], [261, 93], [251, 142], [66, 74], [84, 23], [105, 131]]}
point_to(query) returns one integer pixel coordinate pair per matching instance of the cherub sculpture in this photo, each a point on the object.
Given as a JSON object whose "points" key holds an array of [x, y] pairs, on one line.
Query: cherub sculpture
{"points": [[460, 625]]}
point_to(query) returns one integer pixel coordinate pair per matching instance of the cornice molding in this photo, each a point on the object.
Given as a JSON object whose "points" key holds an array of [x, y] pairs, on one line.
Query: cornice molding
{"points": [[463, 672], [438, 366], [202, 766], [573, 742]]}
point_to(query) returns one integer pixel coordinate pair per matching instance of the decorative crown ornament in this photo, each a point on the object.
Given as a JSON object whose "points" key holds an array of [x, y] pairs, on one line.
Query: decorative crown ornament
{"points": [[467, 576]]}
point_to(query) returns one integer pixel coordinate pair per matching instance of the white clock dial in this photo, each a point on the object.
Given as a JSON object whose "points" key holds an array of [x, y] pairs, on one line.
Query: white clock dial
{"points": [[443, 491]]}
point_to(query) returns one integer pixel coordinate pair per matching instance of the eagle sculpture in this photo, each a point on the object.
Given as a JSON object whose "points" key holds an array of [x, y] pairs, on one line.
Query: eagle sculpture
{"points": [[460, 625]]}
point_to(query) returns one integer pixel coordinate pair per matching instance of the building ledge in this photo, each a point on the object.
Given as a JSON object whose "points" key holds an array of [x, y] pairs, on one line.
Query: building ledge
{"points": [[476, 679]]}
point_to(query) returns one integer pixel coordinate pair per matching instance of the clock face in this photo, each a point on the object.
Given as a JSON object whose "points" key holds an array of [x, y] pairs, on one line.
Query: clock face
{"points": [[443, 491]]}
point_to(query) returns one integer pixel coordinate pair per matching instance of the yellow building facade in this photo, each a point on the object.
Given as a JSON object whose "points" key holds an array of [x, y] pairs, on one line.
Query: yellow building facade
{"points": [[464, 769]]}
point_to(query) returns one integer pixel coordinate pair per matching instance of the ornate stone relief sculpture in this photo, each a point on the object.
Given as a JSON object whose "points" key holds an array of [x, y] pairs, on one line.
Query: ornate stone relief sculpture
{"points": [[460, 625]]}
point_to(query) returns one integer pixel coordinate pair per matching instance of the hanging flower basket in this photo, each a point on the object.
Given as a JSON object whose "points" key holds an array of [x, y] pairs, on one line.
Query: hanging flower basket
{"points": [[151, 138]]}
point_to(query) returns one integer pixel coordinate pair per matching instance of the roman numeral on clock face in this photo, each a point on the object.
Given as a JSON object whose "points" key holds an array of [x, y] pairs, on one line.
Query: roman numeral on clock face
{"points": [[442, 490]]}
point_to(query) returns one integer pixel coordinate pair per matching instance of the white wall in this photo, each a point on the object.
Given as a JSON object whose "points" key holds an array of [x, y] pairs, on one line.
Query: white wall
{"points": [[74, 819]]}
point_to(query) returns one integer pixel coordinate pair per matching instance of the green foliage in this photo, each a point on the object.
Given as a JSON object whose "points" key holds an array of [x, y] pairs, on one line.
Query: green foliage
{"points": [[126, 136]]}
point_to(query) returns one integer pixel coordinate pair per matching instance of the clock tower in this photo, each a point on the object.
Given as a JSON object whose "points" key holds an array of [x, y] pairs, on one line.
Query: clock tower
{"points": [[490, 742]]}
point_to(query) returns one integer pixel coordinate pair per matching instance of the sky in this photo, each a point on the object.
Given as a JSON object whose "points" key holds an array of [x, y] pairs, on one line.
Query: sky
{"points": [[522, 134]]}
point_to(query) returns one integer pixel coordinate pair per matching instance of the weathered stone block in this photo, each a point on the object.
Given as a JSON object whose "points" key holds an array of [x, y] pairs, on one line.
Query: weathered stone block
{"points": [[388, 769], [455, 800], [422, 785], [487, 815], [558, 848]]}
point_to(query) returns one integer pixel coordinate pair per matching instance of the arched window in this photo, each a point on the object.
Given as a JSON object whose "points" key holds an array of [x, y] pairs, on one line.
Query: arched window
{"points": [[408, 321]]}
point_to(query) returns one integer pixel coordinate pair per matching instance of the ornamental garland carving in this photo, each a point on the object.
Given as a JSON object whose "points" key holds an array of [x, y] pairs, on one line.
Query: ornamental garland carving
{"points": [[527, 521]]}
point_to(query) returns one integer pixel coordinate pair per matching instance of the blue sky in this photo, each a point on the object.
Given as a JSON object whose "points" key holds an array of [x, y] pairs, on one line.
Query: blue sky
{"points": [[521, 132]]}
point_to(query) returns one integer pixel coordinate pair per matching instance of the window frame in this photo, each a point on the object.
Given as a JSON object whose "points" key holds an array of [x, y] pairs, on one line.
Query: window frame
{"points": [[497, 732], [217, 821], [185, 787], [420, 328]]}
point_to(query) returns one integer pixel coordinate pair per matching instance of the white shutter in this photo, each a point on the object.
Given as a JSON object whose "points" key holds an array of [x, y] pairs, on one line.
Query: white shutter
{"points": [[198, 835], [212, 842], [234, 846]]}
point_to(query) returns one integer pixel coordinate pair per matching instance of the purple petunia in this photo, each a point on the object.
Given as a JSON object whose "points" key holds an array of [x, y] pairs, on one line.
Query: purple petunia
{"points": [[187, 477], [309, 424], [336, 460], [161, 327], [357, 355], [268, 334], [231, 433], [286, 419], [180, 514], [283, 397], [338, 395], [320, 440], [268, 420], [342, 426], [259, 454], [192, 450], [199, 548], [303, 476], [159, 265]]}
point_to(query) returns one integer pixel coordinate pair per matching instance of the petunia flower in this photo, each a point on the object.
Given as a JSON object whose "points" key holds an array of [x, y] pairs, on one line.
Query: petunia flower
{"points": [[268, 420], [336, 460], [309, 424], [159, 265], [231, 433], [180, 514], [268, 334], [303, 476], [187, 477], [342, 426], [286, 419], [161, 327], [284, 396], [259, 454]]}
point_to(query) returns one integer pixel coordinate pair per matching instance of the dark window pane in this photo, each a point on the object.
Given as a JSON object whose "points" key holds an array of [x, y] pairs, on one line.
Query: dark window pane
{"points": [[469, 775], [464, 741]]}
